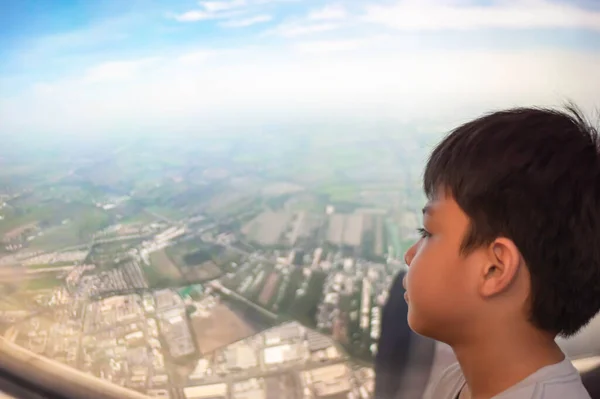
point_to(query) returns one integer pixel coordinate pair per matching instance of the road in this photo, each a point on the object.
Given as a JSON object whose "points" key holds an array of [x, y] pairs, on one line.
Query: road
{"points": [[49, 269], [258, 372], [121, 238], [162, 217], [226, 291]]}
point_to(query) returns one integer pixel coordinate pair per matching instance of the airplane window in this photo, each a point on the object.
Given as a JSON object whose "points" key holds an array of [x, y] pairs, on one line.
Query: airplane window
{"points": [[213, 199]]}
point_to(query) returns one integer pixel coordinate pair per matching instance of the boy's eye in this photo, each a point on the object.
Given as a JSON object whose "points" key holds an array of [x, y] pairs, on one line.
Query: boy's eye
{"points": [[423, 233]]}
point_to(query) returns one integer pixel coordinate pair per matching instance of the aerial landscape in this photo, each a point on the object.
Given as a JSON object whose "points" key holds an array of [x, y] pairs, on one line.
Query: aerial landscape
{"points": [[209, 268]]}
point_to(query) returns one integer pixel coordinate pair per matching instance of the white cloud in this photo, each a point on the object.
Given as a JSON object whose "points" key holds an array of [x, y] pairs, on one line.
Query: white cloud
{"points": [[274, 1], [178, 94], [294, 29], [244, 22], [212, 10], [329, 18], [330, 12], [329, 46], [351, 74], [195, 15], [511, 14], [217, 6], [117, 69], [43, 89], [195, 57]]}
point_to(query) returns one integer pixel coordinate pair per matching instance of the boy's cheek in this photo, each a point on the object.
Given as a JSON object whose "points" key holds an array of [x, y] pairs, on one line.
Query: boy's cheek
{"points": [[418, 277]]}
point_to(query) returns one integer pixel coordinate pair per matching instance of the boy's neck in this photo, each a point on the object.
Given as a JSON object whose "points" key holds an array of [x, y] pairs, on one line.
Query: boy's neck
{"points": [[498, 361]]}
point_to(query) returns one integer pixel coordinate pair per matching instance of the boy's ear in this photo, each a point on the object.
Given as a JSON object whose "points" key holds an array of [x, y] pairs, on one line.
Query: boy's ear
{"points": [[504, 259]]}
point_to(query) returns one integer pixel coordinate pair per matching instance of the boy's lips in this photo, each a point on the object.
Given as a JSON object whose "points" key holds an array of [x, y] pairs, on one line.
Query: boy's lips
{"points": [[405, 291]]}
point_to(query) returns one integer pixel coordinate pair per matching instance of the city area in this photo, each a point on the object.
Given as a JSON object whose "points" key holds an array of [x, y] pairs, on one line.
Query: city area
{"points": [[209, 278]]}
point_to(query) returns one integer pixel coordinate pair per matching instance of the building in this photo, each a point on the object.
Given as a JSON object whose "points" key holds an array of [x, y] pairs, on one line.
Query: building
{"points": [[317, 256], [353, 229], [317, 341], [175, 329], [365, 304], [166, 299], [158, 393], [214, 391], [253, 388], [201, 369], [285, 353], [240, 357], [336, 229], [286, 332], [328, 380], [298, 258]]}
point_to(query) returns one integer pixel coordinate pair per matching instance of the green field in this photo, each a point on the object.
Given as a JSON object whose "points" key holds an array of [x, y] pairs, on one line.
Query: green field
{"points": [[199, 262], [188, 262], [230, 206], [71, 234], [166, 212], [307, 202], [177, 252], [294, 280], [162, 272], [83, 222], [117, 246], [340, 192], [336, 191], [42, 283], [141, 217], [14, 219], [194, 252], [304, 308]]}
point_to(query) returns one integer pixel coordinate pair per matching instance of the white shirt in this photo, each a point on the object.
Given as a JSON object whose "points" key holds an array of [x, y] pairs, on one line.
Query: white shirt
{"points": [[557, 381]]}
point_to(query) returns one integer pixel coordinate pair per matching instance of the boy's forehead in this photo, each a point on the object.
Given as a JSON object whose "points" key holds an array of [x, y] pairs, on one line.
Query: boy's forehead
{"points": [[441, 191], [440, 204], [440, 196]]}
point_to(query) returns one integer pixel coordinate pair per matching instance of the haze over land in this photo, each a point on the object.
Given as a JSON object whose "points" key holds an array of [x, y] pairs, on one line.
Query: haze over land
{"points": [[166, 250]]}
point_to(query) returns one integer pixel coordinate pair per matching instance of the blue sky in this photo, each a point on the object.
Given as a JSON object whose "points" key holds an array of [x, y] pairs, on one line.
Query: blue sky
{"points": [[83, 65]]}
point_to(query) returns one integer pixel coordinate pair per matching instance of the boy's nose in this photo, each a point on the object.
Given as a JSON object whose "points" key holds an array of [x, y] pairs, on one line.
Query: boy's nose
{"points": [[410, 254]]}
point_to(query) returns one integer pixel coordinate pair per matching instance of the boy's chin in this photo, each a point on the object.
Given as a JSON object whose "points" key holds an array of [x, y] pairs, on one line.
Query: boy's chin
{"points": [[420, 325]]}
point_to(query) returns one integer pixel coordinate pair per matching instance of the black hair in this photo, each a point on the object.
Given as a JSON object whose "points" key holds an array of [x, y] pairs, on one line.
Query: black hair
{"points": [[531, 175]]}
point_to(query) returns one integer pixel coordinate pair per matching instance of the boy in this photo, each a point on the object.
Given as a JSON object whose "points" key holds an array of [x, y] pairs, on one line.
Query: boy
{"points": [[510, 253]]}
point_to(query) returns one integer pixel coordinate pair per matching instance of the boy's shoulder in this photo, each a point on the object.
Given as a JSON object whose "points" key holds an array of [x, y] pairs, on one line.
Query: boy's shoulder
{"points": [[449, 383], [556, 381]]}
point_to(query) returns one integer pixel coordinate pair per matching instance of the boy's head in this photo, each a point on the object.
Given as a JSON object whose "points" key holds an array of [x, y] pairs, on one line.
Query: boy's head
{"points": [[511, 229]]}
